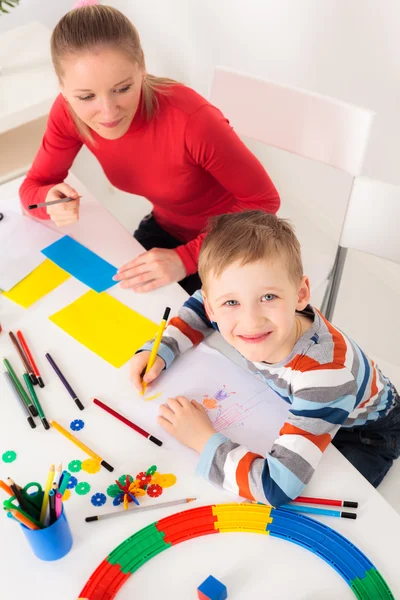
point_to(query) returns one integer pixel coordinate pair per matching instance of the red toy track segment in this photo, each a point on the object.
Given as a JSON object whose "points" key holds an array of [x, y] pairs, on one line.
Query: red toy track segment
{"points": [[187, 524], [104, 583]]}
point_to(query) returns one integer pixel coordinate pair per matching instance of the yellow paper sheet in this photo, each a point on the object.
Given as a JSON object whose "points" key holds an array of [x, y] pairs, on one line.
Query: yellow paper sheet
{"points": [[45, 278], [105, 326]]}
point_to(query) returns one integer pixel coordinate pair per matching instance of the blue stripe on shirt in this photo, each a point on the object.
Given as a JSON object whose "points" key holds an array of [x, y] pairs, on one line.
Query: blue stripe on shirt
{"points": [[336, 416]]}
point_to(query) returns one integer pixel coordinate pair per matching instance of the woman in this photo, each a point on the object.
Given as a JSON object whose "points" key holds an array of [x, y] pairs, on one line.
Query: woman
{"points": [[152, 136]]}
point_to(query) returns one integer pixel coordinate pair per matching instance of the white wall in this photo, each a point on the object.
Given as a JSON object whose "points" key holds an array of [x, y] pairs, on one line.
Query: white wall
{"points": [[47, 12], [348, 50]]}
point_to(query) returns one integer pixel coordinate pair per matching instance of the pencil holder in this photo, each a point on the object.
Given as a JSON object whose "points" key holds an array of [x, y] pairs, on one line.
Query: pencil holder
{"points": [[50, 543]]}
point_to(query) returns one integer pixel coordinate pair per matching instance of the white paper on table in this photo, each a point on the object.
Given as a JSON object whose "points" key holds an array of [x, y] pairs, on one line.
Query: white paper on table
{"points": [[21, 240], [246, 409]]}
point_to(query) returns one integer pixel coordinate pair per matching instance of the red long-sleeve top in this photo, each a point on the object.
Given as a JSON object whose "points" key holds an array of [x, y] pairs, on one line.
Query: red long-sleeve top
{"points": [[186, 160]]}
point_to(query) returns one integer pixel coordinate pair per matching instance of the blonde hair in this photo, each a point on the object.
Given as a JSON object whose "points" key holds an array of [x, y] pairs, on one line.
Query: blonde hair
{"points": [[247, 237], [89, 28]]}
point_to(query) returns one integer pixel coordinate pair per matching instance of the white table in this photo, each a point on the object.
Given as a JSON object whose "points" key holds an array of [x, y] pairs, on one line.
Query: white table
{"points": [[250, 565]]}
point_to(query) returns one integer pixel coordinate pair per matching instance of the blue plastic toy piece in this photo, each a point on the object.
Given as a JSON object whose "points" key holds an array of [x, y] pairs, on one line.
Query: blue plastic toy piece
{"points": [[72, 482], [77, 425], [212, 589]]}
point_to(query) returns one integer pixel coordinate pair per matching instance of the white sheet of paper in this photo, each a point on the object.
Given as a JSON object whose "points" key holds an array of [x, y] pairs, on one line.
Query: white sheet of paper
{"points": [[246, 409], [21, 240]]}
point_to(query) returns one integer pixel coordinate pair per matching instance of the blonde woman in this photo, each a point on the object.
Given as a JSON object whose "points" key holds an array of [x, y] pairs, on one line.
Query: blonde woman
{"points": [[152, 136]]}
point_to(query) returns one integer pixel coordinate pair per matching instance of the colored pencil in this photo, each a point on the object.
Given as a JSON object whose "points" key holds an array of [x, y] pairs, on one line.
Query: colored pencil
{"points": [[120, 417], [30, 358], [21, 391], [23, 519], [80, 445], [156, 345], [23, 357], [49, 482], [52, 202], [35, 401], [65, 382], [18, 495], [58, 475], [139, 510], [326, 501], [319, 511], [6, 488], [18, 398], [64, 482]]}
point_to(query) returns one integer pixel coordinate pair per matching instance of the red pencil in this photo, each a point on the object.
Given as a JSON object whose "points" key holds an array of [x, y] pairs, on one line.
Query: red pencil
{"points": [[117, 415], [326, 501], [30, 358]]}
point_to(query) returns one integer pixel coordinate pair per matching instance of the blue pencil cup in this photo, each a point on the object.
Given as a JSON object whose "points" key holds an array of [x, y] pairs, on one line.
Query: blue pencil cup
{"points": [[50, 543]]}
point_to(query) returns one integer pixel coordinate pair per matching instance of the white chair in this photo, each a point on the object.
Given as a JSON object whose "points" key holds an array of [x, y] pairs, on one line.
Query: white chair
{"points": [[371, 225], [322, 129]]}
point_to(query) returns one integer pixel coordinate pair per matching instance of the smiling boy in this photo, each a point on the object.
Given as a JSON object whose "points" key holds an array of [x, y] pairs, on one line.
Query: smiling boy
{"points": [[255, 293]]}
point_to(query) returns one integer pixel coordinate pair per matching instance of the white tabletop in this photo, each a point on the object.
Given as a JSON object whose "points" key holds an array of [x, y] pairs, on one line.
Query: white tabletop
{"points": [[248, 564], [28, 84]]}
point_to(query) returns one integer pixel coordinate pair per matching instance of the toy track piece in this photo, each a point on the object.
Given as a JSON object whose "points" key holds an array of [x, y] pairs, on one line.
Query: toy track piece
{"points": [[357, 570]]}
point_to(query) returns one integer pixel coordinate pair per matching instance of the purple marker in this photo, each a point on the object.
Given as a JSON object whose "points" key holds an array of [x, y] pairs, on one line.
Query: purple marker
{"points": [[65, 382]]}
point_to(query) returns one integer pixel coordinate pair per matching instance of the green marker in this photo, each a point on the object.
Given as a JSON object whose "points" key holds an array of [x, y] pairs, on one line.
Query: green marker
{"points": [[64, 483], [35, 401], [24, 396]]}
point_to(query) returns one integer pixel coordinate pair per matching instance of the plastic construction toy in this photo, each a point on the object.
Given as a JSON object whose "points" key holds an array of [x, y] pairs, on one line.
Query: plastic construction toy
{"points": [[126, 489], [348, 561], [212, 589]]}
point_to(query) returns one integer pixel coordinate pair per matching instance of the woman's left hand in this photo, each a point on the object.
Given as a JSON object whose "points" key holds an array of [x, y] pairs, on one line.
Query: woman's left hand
{"points": [[151, 270], [187, 421]]}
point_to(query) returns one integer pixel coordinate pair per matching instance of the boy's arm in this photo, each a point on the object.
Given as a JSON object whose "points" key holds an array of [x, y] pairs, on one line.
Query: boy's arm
{"points": [[186, 330], [316, 414]]}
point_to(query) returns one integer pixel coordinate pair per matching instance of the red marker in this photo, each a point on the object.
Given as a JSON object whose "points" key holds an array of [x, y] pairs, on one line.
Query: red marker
{"points": [[30, 358], [120, 417]]}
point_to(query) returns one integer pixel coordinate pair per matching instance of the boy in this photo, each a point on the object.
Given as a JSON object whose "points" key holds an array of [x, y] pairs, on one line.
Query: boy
{"points": [[254, 292]]}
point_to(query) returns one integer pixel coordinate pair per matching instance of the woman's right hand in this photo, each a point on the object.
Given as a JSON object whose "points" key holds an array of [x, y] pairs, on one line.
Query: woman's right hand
{"points": [[65, 213], [139, 364]]}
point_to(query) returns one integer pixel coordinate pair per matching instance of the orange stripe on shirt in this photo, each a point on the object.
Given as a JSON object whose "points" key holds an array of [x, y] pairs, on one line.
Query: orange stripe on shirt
{"points": [[242, 474], [194, 336], [305, 363], [339, 343], [321, 441], [374, 387]]}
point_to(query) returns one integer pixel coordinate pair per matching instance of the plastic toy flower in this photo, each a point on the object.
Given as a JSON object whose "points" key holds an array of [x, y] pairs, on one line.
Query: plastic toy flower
{"points": [[98, 499], [154, 490]]}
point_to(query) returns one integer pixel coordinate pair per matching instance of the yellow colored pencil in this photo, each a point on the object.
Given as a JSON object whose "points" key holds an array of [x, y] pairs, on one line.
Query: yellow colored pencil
{"points": [[156, 345], [80, 445], [49, 483]]}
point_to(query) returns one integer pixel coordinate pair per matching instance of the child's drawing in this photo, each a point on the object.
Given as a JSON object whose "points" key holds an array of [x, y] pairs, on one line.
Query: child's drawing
{"points": [[231, 416], [220, 394]]}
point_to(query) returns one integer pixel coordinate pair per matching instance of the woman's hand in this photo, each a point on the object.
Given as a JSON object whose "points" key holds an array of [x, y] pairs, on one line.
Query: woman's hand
{"points": [[187, 421], [138, 365], [66, 213], [151, 270]]}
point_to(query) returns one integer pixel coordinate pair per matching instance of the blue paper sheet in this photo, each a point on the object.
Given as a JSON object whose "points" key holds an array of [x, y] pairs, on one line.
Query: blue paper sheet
{"points": [[81, 263]]}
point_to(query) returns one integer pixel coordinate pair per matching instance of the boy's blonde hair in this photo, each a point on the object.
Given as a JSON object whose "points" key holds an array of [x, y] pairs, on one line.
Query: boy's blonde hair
{"points": [[247, 237], [89, 28]]}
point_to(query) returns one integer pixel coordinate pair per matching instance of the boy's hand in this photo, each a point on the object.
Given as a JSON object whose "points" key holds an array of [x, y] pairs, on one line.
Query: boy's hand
{"points": [[187, 421], [138, 365]]}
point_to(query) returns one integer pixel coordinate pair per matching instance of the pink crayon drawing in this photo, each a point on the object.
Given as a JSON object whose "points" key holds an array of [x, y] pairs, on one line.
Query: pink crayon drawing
{"points": [[233, 416]]}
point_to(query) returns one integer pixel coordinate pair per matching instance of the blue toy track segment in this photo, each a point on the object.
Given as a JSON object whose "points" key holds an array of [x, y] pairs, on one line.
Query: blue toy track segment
{"points": [[332, 547]]}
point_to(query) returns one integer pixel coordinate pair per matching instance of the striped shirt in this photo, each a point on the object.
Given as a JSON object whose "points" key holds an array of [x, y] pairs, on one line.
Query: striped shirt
{"points": [[327, 380]]}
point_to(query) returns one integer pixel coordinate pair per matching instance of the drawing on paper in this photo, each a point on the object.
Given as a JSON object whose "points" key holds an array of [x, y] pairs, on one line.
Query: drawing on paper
{"points": [[230, 416]]}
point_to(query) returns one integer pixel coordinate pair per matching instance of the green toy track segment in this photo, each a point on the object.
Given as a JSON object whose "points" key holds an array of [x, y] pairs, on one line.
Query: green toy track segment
{"points": [[138, 548], [149, 541], [372, 586]]}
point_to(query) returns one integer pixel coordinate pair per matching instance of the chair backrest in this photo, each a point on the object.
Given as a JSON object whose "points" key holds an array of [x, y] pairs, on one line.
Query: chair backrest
{"points": [[372, 220], [310, 125]]}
